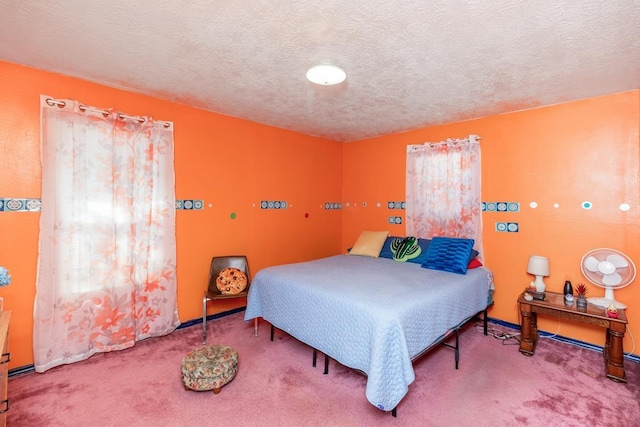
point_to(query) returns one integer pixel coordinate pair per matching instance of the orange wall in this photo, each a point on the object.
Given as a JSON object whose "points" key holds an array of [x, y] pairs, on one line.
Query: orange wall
{"points": [[565, 154], [229, 163], [586, 150]]}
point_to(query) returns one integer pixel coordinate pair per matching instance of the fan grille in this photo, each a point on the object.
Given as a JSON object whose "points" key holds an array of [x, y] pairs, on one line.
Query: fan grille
{"points": [[608, 268]]}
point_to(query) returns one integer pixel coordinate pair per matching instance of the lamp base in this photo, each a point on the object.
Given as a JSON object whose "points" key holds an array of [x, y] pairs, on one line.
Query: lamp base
{"points": [[539, 284], [535, 294]]}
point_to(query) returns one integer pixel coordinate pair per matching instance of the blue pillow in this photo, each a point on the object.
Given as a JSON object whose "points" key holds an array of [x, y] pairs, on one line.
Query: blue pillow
{"points": [[449, 254], [386, 251]]}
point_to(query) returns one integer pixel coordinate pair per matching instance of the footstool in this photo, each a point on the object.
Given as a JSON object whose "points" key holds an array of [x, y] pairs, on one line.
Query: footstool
{"points": [[209, 368]]}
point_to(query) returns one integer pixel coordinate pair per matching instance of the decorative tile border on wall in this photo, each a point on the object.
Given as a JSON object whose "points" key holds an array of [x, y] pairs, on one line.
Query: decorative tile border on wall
{"points": [[34, 205], [20, 205], [330, 206], [395, 220], [395, 205], [271, 204], [508, 227], [189, 205], [501, 206]]}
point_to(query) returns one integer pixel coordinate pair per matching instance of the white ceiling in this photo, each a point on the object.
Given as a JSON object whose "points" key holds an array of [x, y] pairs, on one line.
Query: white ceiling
{"points": [[409, 64]]}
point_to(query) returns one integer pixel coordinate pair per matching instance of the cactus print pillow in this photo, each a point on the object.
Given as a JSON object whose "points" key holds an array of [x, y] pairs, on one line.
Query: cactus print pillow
{"points": [[405, 249], [398, 254]]}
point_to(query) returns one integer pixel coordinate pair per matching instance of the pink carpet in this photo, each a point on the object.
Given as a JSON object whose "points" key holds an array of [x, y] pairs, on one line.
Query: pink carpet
{"points": [[562, 385]]}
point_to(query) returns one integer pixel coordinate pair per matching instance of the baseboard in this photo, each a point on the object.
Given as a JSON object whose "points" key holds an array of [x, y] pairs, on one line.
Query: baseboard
{"points": [[197, 321], [28, 369], [628, 356]]}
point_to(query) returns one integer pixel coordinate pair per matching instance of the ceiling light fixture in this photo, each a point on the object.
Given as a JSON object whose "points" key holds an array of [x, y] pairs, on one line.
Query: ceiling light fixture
{"points": [[326, 75]]}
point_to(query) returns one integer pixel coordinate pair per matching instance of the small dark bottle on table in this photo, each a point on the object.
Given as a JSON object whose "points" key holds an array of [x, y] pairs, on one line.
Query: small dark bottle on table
{"points": [[568, 289], [568, 293]]}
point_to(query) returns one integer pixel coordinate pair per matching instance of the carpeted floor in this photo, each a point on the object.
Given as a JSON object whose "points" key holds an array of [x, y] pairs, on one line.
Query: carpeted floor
{"points": [[562, 385]]}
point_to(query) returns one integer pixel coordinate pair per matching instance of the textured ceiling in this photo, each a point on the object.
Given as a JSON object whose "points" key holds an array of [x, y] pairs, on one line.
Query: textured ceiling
{"points": [[409, 64]]}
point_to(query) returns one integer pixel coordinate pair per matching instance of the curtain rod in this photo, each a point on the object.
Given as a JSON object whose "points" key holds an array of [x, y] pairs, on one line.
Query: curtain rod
{"points": [[105, 113]]}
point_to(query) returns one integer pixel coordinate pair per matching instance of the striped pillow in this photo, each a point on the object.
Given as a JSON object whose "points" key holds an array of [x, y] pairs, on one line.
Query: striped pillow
{"points": [[449, 254]]}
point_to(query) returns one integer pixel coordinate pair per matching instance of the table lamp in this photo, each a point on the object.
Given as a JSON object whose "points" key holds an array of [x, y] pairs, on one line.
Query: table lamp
{"points": [[539, 267]]}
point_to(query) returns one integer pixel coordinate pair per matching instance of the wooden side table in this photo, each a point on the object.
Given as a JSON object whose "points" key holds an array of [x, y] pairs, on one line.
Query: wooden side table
{"points": [[553, 305], [5, 316]]}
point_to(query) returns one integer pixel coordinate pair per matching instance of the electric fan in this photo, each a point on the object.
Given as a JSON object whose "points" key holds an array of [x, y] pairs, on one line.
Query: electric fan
{"points": [[609, 269]]}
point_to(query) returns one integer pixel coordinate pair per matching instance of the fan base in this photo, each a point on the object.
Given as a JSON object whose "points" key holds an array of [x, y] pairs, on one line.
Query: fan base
{"points": [[605, 302]]}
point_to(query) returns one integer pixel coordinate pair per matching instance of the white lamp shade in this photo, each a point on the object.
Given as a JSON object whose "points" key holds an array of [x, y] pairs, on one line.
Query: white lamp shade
{"points": [[538, 265]]}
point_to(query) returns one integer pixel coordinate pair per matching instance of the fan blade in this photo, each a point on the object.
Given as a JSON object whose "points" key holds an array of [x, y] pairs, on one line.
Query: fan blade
{"points": [[606, 267], [618, 260], [591, 263], [611, 279]]}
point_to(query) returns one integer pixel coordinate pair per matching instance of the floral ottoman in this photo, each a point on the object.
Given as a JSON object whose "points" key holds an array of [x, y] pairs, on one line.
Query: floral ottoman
{"points": [[209, 368]]}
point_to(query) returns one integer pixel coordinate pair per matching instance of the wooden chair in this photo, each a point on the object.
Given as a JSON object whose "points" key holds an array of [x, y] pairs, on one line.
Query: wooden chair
{"points": [[219, 263]]}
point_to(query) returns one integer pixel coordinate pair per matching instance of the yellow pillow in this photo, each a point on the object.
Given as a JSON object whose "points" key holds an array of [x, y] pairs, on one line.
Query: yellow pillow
{"points": [[369, 243]]}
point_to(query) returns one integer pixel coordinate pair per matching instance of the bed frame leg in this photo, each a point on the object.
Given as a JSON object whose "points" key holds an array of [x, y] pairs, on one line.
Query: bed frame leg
{"points": [[255, 327], [271, 332], [326, 361], [457, 347], [394, 412], [485, 322]]}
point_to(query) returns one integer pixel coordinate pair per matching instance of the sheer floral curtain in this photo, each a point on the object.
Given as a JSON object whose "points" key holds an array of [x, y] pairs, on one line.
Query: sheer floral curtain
{"points": [[107, 249], [443, 190]]}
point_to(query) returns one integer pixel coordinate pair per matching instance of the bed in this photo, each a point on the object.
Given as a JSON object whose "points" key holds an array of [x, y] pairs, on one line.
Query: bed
{"points": [[374, 315]]}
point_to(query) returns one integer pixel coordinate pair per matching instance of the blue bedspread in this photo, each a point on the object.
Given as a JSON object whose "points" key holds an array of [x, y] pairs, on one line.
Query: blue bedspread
{"points": [[370, 314]]}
